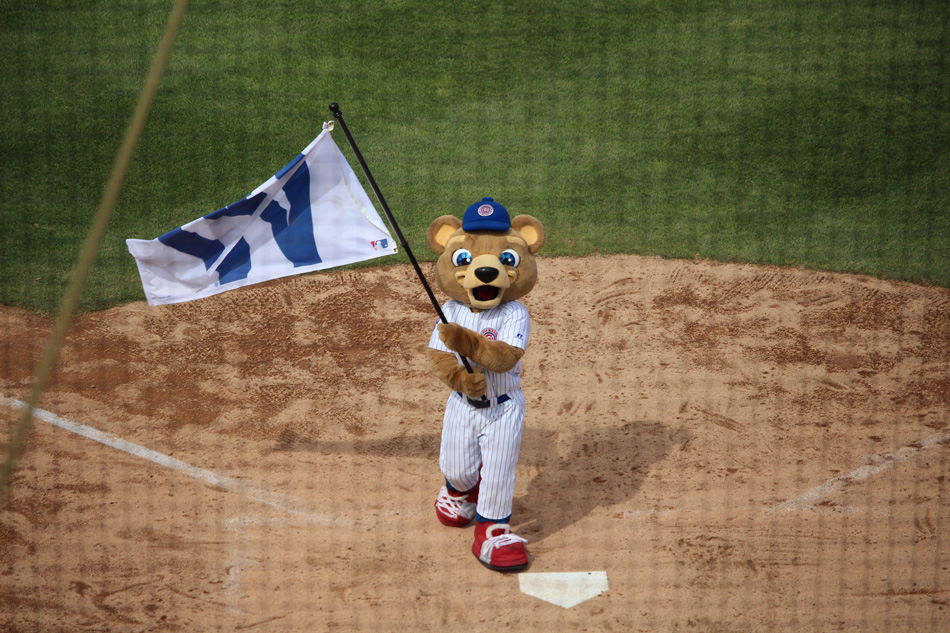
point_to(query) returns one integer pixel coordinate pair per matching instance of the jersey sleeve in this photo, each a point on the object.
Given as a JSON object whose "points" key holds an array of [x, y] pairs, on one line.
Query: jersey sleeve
{"points": [[434, 341], [516, 327]]}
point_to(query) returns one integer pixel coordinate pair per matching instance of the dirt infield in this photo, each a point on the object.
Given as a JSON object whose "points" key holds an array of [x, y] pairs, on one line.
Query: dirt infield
{"points": [[740, 448]]}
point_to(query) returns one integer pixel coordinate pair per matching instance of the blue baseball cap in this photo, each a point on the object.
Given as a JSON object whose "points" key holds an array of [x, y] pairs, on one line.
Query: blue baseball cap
{"points": [[486, 215]]}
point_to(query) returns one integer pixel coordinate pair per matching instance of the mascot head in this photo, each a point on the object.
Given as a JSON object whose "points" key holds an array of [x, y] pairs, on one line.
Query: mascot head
{"points": [[487, 258]]}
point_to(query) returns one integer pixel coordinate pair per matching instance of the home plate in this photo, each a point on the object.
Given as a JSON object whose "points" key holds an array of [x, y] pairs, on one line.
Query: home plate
{"points": [[564, 589]]}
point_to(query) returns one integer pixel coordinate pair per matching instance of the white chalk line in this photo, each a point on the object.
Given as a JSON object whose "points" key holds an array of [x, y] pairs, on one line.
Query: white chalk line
{"points": [[276, 500], [290, 505], [878, 464]]}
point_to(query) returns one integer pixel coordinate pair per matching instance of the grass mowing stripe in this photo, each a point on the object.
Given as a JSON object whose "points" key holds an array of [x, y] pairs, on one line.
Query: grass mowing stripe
{"points": [[89, 248], [811, 133]]}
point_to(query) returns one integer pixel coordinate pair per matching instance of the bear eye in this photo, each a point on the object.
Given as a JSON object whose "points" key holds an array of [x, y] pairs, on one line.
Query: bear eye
{"points": [[462, 257], [510, 258]]}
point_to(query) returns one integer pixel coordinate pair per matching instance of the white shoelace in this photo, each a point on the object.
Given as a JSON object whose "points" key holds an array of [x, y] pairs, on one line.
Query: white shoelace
{"points": [[454, 507], [502, 539]]}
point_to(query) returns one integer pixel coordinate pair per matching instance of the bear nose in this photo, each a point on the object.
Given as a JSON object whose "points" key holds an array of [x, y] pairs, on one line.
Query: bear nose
{"points": [[486, 274]]}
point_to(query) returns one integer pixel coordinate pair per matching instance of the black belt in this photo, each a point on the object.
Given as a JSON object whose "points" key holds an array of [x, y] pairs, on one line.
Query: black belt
{"points": [[484, 404]]}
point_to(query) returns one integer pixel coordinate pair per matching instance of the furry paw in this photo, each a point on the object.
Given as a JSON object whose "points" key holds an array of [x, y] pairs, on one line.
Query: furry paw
{"points": [[473, 385], [459, 339]]}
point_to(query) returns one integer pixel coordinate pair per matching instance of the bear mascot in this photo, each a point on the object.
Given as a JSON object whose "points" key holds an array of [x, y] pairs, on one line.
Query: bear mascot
{"points": [[486, 263]]}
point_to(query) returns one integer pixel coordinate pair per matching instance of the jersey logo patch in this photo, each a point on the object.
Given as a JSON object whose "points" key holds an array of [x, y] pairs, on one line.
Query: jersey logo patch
{"points": [[490, 334]]}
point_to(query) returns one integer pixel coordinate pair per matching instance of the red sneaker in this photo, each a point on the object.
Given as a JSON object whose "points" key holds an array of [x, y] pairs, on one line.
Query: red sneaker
{"points": [[456, 510], [498, 549]]}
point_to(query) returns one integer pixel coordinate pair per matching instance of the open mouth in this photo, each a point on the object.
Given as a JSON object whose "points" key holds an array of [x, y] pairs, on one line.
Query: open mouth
{"points": [[485, 293]]}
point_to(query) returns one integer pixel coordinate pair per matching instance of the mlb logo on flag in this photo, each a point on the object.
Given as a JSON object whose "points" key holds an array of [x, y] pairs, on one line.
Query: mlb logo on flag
{"points": [[311, 215]]}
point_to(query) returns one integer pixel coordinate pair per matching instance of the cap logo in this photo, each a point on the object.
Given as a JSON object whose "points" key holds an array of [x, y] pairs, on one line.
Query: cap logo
{"points": [[485, 210]]}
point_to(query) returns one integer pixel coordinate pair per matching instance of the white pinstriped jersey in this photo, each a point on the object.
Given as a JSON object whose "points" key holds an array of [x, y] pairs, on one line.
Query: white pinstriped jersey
{"points": [[509, 322]]}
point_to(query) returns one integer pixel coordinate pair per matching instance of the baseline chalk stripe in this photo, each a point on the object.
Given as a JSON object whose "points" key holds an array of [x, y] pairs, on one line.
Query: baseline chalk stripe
{"points": [[284, 503], [878, 464], [564, 589]]}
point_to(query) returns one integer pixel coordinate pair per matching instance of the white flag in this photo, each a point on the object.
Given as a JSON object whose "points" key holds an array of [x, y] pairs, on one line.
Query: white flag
{"points": [[313, 214]]}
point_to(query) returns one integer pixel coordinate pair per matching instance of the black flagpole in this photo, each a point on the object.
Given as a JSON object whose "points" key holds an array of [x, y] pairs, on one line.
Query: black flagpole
{"points": [[335, 109]]}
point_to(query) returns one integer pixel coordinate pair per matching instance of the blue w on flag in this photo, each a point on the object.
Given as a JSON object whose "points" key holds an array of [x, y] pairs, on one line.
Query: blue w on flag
{"points": [[313, 214]]}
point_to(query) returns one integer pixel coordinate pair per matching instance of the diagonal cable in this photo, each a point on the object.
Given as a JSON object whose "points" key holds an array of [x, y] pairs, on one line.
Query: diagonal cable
{"points": [[91, 245]]}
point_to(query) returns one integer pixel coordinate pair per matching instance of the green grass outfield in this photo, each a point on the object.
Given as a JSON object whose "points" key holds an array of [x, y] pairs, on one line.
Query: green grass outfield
{"points": [[801, 133]]}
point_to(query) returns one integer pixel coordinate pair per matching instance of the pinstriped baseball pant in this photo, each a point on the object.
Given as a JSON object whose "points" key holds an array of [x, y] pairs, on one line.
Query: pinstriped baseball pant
{"points": [[490, 437]]}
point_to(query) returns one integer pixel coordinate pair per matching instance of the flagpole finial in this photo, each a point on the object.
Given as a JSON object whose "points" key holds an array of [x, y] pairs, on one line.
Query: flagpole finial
{"points": [[335, 108]]}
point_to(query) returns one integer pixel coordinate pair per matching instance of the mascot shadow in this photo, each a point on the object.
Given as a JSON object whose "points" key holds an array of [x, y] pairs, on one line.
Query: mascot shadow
{"points": [[571, 474], [595, 469]]}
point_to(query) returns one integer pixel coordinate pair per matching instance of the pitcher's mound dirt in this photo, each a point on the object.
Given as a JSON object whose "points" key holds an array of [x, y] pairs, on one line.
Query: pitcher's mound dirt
{"points": [[740, 448]]}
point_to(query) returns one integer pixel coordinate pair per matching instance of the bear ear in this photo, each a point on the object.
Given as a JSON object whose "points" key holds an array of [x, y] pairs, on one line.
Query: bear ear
{"points": [[531, 230], [441, 230]]}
